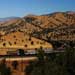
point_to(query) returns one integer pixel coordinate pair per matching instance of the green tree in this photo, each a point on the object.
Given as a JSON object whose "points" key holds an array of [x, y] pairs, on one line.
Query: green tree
{"points": [[21, 52], [4, 70], [69, 61], [61, 63], [39, 66], [15, 64]]}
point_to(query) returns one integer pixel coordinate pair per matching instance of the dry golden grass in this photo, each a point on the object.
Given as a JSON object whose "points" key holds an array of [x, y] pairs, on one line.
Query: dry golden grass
{"points": [[18, 40]]}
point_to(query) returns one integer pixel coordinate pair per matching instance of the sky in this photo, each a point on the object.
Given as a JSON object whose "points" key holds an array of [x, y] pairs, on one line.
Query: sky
{"points": [[20, 8]]}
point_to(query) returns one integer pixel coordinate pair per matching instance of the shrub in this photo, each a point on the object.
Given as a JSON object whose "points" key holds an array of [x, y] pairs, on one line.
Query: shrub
{"points": [[15, 64]]}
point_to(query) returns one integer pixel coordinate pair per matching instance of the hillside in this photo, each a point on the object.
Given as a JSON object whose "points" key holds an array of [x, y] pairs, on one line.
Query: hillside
{"points": [[19, 40], [54, 26]]}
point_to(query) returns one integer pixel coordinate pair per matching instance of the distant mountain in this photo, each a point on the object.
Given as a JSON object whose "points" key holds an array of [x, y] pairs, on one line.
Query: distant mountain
{"points": [[8, 18], [70, 12]]}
